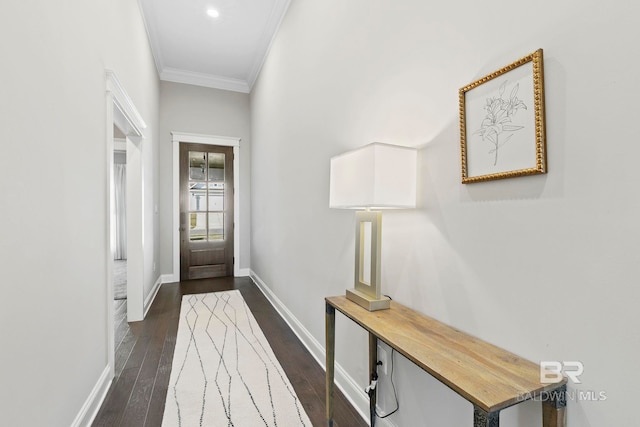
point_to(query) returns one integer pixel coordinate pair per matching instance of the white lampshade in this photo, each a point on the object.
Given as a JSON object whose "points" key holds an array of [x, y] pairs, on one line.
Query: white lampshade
{"points": [[376, 175]]}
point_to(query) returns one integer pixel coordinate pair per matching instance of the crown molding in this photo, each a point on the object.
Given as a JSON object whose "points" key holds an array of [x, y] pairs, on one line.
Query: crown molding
{"points": [[152, 35], [202, 79], [276, 17], [177, 75]]}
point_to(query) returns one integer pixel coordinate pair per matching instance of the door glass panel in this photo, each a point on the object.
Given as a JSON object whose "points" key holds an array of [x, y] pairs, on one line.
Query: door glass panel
{"points": [[197, 196], [216, 196], [216, 226], [216, 166], [197, 226], [197, 162]]}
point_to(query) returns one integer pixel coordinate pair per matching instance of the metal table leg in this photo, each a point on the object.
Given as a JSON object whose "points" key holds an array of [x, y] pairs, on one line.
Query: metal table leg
{"points": [[554, 407], [330, 330], [482, 418]]}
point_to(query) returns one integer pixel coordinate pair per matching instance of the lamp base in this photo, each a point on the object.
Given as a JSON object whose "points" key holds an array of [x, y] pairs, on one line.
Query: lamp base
{"points": [[365, 301]]}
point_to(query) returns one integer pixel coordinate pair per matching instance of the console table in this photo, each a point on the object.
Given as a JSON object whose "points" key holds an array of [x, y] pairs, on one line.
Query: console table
{"points": [[489, 377]]}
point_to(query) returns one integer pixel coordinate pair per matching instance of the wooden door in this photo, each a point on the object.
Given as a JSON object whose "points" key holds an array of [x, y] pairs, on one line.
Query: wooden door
{"points": [[206, 211]]}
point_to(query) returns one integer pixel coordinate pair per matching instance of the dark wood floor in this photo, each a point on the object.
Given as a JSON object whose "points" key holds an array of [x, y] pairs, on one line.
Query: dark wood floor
{"points": [[144, 352]]}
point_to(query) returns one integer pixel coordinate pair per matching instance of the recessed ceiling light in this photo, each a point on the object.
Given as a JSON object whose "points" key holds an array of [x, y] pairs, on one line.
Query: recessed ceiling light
{"points": [[213, 13]]}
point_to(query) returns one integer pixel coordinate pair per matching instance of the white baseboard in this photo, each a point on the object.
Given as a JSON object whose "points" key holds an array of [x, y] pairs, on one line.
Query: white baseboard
{"points": [[91, 406], [243, 272], [152, 295], [349, 387], [170, 278]]}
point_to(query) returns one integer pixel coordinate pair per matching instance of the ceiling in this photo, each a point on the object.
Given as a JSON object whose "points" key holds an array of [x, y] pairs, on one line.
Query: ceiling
{"points": [[226, 52]]}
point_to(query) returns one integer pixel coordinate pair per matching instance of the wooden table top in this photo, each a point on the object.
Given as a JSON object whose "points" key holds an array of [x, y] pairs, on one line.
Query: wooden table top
{"points": [[487, 376]]}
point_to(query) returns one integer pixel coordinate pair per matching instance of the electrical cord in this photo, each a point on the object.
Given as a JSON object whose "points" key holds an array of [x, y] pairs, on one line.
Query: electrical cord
{"points": [[395, 394]]}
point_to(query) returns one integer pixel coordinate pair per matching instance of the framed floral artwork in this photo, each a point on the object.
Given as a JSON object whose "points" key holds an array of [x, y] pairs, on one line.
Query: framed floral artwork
{"points": [[502, 126]]}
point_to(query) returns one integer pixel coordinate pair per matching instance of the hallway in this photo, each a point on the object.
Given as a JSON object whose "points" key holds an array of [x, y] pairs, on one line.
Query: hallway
{"points": [[144, 352]]}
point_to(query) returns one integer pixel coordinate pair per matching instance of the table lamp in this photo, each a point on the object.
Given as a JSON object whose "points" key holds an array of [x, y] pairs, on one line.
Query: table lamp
{"points": [[375, 176]]}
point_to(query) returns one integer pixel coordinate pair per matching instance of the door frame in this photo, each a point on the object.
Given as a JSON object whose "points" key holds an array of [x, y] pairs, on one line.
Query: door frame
{"points": [[226, 141], [121, 112]]}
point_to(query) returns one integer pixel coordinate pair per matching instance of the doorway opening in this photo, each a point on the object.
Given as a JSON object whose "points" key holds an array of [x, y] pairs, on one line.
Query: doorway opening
{"points": [[179, 138], [119, 217], [123, 119]]}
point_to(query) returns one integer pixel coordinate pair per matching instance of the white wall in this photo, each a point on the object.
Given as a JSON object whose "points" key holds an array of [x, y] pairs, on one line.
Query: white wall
{"points": [[53, 247], [544, 266], [193, 109]]}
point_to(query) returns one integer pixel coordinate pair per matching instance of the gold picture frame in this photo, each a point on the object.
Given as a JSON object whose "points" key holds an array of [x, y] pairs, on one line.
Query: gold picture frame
{"points": [[502, 123]]}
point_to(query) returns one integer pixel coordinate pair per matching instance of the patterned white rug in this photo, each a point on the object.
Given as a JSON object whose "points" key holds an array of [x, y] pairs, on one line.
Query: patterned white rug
{"points": [[224, 372]]}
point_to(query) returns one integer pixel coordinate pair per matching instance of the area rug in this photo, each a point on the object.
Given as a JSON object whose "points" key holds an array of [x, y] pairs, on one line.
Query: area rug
{"points": [[120, 279], [224, 372]]}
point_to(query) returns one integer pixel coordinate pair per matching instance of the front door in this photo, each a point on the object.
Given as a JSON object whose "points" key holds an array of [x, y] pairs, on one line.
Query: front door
{"points": [[206, 211]]}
